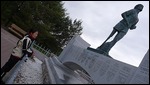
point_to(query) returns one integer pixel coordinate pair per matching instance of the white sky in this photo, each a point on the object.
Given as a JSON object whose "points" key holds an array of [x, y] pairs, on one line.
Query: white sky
{"points": [[98, 19]]}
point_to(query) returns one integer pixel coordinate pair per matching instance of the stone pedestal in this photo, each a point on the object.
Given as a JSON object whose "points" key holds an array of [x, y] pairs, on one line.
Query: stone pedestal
{"points": [[100, 51]]}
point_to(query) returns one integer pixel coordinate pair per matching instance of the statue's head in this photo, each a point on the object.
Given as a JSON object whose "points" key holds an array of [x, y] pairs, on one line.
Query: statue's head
{"points": [[139, 7]]}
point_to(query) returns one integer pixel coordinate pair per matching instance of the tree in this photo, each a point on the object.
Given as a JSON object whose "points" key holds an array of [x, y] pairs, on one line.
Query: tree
{"points": [[49, 17]]}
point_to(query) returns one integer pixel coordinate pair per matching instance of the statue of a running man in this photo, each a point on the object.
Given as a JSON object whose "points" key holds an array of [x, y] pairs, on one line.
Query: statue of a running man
{"points": [[129, 21]]}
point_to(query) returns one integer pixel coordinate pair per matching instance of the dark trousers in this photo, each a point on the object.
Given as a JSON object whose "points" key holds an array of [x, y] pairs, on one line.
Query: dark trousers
{"points": [[9, 65]]}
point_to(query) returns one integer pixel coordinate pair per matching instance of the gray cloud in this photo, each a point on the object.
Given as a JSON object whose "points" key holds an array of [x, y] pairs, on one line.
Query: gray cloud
{"points": [[99, 17]]}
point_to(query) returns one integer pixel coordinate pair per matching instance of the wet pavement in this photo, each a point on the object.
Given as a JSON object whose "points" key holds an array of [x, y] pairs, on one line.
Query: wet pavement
{"points": [[8, 41], [30, 73]]}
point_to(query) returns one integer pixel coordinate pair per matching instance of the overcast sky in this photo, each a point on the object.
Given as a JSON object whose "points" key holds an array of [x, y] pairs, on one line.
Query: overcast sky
{"points": [[98, 19]]}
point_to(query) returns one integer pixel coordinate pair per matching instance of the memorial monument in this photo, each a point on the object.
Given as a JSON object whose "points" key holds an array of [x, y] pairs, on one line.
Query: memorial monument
{"points": [[129, 21], [101, 69]]}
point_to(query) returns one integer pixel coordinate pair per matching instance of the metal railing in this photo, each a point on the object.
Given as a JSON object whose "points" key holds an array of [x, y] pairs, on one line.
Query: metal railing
{"points": [[41, 49]]}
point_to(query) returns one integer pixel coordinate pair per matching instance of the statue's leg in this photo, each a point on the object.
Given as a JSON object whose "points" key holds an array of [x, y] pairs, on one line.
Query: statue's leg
{"points": [[105, 46], [112, 33], [109, 45], [119, 36]]}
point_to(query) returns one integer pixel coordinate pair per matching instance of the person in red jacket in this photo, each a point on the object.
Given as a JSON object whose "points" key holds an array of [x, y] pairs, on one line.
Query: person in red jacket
{"points": [[22, 48]]}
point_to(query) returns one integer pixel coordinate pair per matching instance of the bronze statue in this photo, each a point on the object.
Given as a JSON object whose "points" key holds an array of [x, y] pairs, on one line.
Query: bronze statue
{"points": [[129, 21]]}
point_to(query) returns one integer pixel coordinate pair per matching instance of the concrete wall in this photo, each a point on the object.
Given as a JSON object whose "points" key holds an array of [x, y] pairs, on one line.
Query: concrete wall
{"points": [[141, 75], [102, 69]]}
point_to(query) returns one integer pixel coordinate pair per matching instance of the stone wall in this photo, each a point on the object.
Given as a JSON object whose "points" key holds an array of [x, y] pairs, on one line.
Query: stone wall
{"points": [[102, 69]]}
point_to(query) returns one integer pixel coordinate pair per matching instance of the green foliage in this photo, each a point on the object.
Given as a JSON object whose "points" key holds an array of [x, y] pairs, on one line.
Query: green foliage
{"points": [[55, 27]]}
